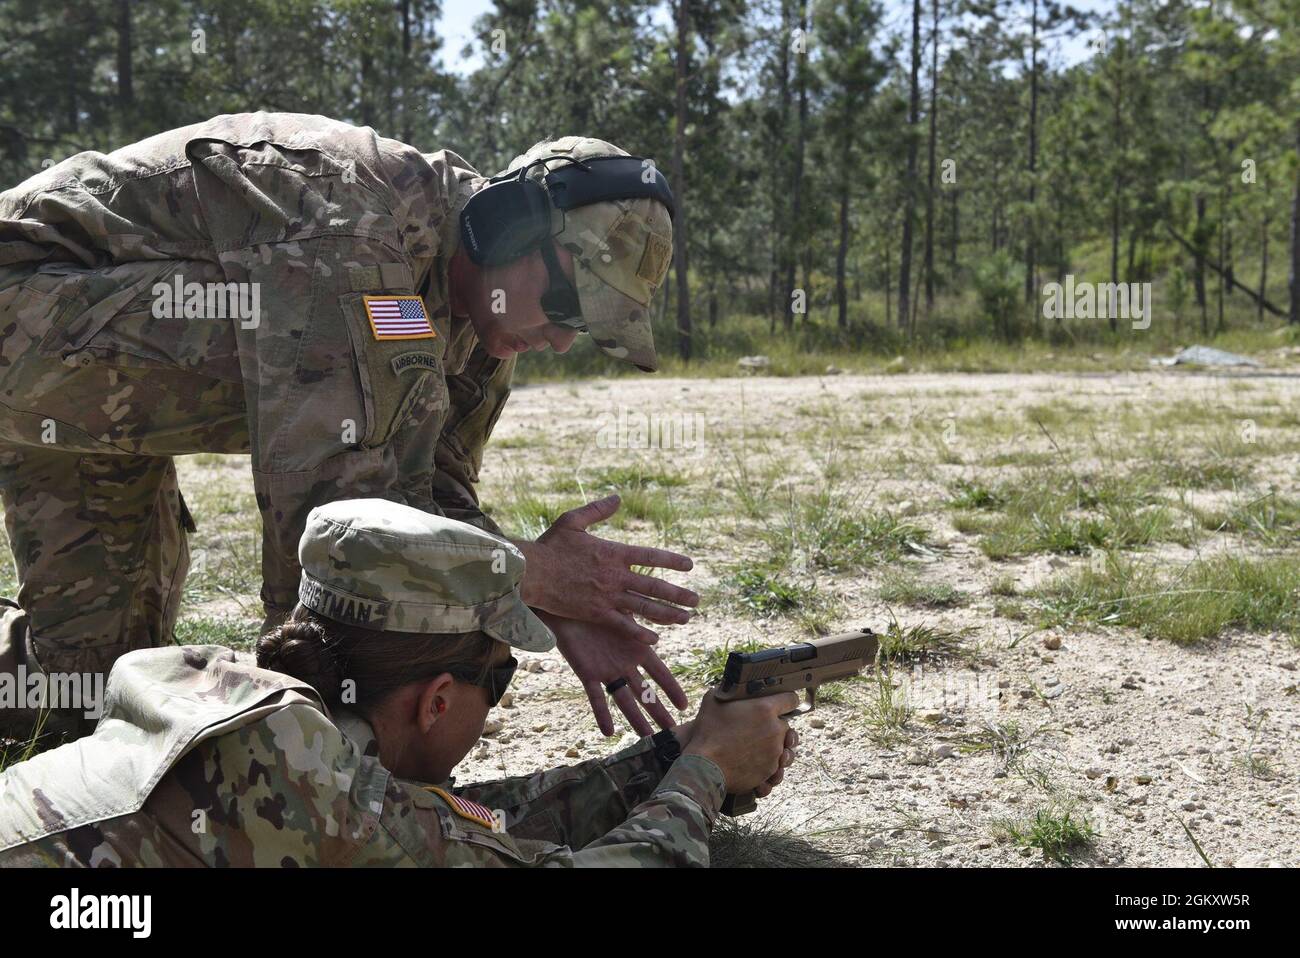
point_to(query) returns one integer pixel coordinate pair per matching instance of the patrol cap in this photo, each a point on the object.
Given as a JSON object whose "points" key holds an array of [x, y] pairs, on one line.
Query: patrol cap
{"points": [[381, 565], [621, 250]]}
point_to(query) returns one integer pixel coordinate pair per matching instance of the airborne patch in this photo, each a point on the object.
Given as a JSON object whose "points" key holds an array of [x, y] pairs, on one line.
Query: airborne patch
{"points": [[654, 261], [398, 317], [465, 808], [406, 361]]}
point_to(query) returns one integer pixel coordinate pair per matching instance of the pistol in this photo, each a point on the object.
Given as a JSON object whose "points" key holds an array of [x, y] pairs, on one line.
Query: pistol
{"points": [[792, 668]]}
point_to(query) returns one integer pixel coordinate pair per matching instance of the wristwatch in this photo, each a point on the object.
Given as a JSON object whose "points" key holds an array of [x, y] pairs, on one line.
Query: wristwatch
{"points": [[667, 748]]}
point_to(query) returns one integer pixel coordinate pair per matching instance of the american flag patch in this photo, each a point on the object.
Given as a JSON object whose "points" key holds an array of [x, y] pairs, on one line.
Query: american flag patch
{"points": [[398, 317], [465, 808]]}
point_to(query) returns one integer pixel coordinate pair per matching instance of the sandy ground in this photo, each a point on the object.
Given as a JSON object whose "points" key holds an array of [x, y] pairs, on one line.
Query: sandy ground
{"points": [[1146, 739], [1150, 741]]}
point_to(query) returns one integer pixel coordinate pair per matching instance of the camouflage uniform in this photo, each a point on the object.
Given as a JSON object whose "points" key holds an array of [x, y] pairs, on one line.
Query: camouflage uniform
{"points": [[242, 766], [98, 393], [201, 759]]}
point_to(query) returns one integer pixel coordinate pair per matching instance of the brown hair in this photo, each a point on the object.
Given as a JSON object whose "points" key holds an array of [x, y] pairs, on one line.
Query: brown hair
{"points": [[324, 653]]}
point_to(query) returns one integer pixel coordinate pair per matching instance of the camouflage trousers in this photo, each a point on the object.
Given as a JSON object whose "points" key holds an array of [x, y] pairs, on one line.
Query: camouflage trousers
{"points": [[97, 528], [99, 542]]}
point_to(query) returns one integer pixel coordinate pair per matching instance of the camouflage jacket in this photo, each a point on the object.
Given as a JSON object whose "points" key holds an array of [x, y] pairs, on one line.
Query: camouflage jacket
{"points": [[301, 217], [203, 759]]}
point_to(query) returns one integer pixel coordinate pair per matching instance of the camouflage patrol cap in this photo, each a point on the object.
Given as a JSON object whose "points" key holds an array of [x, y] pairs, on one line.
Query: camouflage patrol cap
{"points": [[392, 568], [621, 251]]}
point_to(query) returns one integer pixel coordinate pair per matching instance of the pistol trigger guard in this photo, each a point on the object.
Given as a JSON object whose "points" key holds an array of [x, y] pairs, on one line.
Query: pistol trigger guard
{"points": [[810, 702]]}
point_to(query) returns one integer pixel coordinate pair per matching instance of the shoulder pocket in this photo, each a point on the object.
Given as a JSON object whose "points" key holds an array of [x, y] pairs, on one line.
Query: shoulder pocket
{"points": [[410, 815], [400, 373]]}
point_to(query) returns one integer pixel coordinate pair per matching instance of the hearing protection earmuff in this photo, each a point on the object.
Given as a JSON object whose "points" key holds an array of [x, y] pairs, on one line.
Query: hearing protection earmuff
{"points": [[512, 215]]}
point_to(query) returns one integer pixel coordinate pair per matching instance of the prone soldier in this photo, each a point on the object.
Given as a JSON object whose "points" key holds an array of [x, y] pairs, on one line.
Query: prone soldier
{"points": [[337, 748]]}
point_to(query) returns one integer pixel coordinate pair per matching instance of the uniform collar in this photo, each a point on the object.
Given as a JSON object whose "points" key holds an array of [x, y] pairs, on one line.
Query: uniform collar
{"points": [[362, 734], [359, 731]]}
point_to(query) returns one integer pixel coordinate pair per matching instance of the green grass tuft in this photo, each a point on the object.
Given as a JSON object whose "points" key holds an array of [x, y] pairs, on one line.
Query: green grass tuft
{"points": [[706, 665], [1055, 511], [908, 590], [887, 712], [1198, 601], [233, 633], [1057, 832], [1273, 519], [913, 643], [764, 595]]}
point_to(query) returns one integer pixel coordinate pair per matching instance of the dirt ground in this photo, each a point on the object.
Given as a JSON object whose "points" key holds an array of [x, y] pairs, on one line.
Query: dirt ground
{"points": [[1158, 745]]}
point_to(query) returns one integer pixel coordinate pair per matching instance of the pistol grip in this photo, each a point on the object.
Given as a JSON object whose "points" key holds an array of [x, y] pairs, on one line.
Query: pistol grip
{"points": [[736, 805]]}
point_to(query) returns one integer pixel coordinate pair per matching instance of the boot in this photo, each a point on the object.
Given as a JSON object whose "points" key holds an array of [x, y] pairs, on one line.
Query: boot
{"points": [[24, 730]]}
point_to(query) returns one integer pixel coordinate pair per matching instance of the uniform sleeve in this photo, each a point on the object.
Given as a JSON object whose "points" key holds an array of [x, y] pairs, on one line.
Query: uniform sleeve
{"points": [[669, 829], [477, 396], [576, 804]]}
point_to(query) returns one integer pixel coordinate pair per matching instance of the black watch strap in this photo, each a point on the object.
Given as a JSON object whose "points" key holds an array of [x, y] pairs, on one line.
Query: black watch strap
{"points": [[667, 748]]}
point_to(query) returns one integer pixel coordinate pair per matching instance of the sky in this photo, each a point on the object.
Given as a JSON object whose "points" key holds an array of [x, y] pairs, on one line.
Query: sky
{"points": [[459, 15]]}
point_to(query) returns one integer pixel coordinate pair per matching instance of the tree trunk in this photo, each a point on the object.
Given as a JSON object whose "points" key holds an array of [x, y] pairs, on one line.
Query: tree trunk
{"points": [[1263, 270], [1030, 251], [773, 281], [367, 110], [796, 180], [1188, 245], [916, 298], [1226, 257], [125, 82], [952, 254], [72, 108], [681, 264], [929, 193], [909, 188], [1198, 257], [779, 219], [1293, 283], [1224, 275], [1199, 237], [889, 286], [1114, 242], [1119, 192], [842, 252], [407, 111], [1060, 242]]}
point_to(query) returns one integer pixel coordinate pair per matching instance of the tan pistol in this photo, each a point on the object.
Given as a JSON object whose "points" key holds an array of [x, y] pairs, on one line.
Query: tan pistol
{"points": [[792, 668]]}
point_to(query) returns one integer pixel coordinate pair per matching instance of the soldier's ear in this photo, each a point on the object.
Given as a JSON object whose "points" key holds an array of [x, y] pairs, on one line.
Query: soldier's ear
{"points": [[432, 702]]}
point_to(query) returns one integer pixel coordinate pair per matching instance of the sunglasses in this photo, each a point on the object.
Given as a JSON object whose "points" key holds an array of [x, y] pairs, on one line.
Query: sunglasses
{"points": [[495, 682], [560, 301]]}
